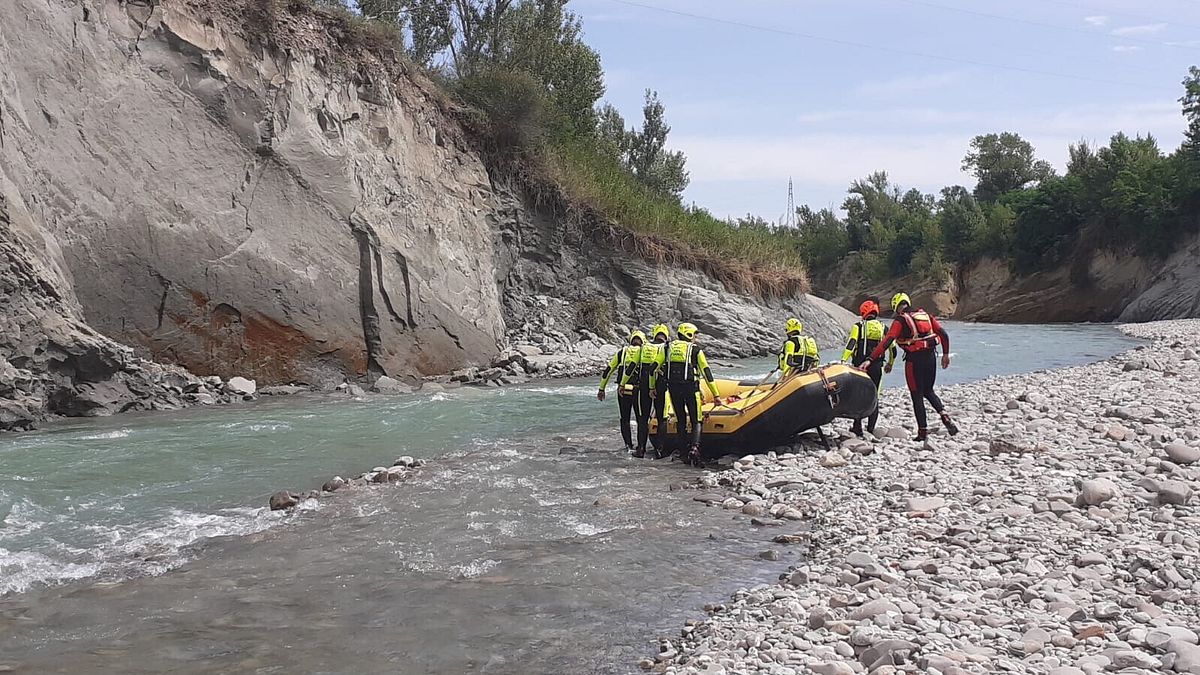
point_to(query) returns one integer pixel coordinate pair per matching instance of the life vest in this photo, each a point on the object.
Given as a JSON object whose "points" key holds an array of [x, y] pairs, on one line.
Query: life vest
{"points": [[649, 359], [681, 362], [920, 332], [870, 334], [628, 373], [804, 351]]}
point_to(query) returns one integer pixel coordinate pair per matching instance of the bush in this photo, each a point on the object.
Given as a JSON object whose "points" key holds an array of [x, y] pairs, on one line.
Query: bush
{"points": [[600, 182], [514, 111], [596, 316]]}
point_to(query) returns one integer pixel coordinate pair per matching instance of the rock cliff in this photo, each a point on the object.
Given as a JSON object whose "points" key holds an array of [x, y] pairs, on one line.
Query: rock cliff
{"points": [[1095, 285], [247, 192]]}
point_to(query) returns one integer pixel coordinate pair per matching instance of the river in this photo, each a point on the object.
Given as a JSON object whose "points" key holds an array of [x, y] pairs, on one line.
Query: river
{"points": [[140, 543]]}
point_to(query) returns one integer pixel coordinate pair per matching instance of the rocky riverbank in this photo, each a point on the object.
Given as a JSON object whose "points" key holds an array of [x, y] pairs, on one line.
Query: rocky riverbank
{"points": [[1058, 533]]}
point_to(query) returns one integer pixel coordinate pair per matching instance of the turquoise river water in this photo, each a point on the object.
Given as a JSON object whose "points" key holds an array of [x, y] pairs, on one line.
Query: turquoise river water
{"points": [[140, 543]]}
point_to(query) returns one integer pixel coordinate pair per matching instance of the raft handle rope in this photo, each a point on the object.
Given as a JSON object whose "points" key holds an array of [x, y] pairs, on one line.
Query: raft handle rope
{"points": [[831, 389]]}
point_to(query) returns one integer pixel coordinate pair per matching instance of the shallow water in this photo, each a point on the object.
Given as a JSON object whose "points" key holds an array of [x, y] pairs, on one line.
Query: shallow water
{"points": [[495, 559]]}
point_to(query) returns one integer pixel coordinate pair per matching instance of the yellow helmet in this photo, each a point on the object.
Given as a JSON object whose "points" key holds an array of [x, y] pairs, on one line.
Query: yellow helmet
{"points": [[900, 298], [794, 325], [637, 335], [687, 331], [661, 329]]}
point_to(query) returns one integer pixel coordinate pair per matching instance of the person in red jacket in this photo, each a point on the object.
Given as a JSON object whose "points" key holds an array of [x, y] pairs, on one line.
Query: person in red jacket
{"points": [[918, 334]]}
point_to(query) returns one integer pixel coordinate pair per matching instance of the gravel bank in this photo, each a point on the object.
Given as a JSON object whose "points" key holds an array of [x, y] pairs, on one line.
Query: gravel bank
{"points": [[1058, 533]]}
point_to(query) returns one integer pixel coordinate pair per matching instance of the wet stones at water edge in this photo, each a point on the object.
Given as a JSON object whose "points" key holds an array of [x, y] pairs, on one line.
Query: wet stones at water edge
{"points": [[1058, 533], [404, 468]]}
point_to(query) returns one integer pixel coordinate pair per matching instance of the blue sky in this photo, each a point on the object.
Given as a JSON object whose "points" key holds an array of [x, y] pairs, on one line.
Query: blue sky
{"points": [[752, 107]]}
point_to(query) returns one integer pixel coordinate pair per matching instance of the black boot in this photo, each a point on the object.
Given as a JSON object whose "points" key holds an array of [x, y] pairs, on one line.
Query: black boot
{"points": [[694, 457], [857, 428], [640, 453], [921, 436], [950, 426]]}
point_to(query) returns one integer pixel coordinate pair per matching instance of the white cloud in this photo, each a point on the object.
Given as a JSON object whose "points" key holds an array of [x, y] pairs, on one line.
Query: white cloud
{"points": [[1096, 20], [1143, 29], [1125, 49], [909, 84], [1185, 43]]}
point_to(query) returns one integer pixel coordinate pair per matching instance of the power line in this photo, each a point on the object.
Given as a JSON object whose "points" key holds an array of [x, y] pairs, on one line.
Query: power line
{"points": [[885, 49], [1028, 22], [1139, 17]]}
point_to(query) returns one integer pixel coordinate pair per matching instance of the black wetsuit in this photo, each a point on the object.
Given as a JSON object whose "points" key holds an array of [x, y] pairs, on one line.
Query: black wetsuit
{"points": [[648, 405], [685, 398], [627, 404], [920, 370]]}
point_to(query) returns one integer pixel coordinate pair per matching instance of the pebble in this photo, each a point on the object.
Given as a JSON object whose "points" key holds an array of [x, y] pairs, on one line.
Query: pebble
{"points": [[1182, 454]]}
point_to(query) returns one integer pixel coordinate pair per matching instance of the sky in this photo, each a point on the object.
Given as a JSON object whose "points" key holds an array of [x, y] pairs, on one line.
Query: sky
{"points": [[828, 91]]}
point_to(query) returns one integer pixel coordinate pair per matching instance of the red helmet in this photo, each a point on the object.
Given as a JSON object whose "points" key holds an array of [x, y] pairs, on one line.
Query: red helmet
{"points": [[868, 308]]}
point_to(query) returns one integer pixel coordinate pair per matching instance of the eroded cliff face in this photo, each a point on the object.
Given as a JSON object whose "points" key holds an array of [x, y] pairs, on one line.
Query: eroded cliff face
{"points": [[1095, 285], [292, 212], [550, 268], [244, 211]]}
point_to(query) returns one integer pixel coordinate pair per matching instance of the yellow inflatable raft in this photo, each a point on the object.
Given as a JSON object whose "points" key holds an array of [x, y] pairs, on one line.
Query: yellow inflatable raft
{"points": [[752, 417]]}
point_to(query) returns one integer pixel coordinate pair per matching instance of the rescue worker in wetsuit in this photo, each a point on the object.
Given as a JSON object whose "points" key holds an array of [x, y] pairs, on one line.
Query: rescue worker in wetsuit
{"points": [[799, 352], [918, 334], [684, 366], [651, 388], [625, 366], [865, 336]]}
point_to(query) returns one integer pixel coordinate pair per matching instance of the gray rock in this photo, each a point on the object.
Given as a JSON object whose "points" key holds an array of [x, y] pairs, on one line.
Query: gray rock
{"points": [[832, 460], [1182, 454], [387, 385], [1131, 658], [1173, 492], [1186, 656], [355, 390], [241, 386], [860, 559], [873, 608], [1097, 491], [283, 500], [334, 484], [1106, 610], [886, 652], [404, 460], [1159, 637], [924, 503]]}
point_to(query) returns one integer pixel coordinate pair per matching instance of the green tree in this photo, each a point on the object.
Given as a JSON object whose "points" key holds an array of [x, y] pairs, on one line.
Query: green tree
{"points": [[542, 38], [661, 170], [962, 222], [612, 138], [822, 238], [1191, 112], [1002, 163], [1047, 222], [872, 212]]}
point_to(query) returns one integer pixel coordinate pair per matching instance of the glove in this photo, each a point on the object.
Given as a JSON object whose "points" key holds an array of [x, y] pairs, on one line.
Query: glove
{"points": [[600, 395]]}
